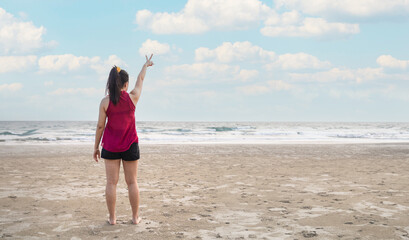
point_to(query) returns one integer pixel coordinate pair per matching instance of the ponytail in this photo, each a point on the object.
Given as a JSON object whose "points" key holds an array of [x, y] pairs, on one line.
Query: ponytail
{"points": [[116, 80]]}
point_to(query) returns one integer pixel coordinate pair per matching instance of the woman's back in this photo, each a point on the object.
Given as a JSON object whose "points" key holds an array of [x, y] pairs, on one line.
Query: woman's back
{"points": [[120, 131]]}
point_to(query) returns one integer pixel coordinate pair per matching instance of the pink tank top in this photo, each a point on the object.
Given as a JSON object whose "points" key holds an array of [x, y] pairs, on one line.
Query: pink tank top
{"points": [[120, 131]]}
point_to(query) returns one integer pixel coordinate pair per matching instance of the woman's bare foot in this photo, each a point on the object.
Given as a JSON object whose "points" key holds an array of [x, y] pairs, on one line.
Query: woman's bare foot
{"points": [[112, 221], [136, 221]]}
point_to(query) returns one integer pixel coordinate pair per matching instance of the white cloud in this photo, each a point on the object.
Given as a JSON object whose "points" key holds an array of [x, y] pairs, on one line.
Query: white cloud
{"points": [[60, 63], [286, 18], [204, 70], [247, 75], [388, 91], [200, 16], [395, 92], [152, 46], [16, 63], [307, 27], [298, 61], [102, 67], [12, 87], [390, 62], [238, 51], [337, 74], [65, 62], [254, 89], [279, 85], [209, 71], [347, 8], [17, 36], [172, 81], [361, 94], [168, 23], [69, 63], [75, 91], [269, 86], [247, 52], [115, 60]]}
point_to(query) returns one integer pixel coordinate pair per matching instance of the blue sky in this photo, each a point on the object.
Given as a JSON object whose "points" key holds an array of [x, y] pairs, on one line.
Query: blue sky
{"points": [[249, 60]]}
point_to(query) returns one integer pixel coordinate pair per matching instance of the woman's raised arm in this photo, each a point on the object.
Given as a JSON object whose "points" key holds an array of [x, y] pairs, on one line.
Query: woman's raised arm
{"points": [[136, 92]]}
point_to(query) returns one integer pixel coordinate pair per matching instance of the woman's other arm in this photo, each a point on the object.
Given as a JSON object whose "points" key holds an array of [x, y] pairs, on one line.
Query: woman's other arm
{"points": [[136, 92], [100, 127]]}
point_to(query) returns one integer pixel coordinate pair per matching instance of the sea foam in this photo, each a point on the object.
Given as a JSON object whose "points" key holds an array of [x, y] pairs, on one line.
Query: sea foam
{"points": [[30, 132]]}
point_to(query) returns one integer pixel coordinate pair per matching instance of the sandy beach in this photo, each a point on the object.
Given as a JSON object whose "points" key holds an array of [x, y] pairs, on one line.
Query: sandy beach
{"points": [[343, 191]]}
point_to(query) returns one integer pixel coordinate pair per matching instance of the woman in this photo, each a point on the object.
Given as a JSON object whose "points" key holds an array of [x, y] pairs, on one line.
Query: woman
{"points": [[120, 140]]}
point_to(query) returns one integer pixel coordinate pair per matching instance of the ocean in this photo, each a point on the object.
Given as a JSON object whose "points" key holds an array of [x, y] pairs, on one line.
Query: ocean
{"points": [[74, 132]]}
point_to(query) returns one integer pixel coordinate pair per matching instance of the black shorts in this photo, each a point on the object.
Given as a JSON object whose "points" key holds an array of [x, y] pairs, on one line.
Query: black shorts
{"points": [[132, 154]]}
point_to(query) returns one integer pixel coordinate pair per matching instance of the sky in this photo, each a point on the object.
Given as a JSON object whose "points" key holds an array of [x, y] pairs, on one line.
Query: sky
{"points": [[214, 60]]}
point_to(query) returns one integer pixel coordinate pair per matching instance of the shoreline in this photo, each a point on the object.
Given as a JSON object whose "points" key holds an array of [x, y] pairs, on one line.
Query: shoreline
{"points": [[212, 133], [51, 143]]}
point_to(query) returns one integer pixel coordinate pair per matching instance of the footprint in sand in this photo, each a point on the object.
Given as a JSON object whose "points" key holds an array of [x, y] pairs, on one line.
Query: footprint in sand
{"points": [[309, 234]]}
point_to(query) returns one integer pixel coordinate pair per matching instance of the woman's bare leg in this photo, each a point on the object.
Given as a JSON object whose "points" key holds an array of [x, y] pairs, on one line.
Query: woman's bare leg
{"points": [[130, 170], [112, 175]]}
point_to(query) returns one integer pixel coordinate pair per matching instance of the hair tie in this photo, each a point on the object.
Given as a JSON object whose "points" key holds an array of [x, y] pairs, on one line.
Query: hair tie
{"points": [[118, 69]]}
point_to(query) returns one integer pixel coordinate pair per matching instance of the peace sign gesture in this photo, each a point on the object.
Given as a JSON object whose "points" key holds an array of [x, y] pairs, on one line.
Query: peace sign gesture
{"points": [[148, 61]]}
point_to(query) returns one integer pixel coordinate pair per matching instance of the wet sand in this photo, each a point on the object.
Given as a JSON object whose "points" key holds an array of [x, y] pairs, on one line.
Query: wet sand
{"points": [[350, 191]]}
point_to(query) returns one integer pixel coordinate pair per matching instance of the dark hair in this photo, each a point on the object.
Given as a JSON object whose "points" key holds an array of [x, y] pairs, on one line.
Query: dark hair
{"points": [[116, 81]]}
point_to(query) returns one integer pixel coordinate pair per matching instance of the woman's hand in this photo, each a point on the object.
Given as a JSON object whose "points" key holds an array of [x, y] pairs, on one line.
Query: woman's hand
{"points": [[148, 61], [97, 155]]}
